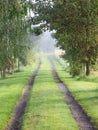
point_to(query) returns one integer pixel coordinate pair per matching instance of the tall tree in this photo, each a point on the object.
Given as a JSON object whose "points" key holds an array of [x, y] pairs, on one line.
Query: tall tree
{"points": [[75, 23], [13, 32]]}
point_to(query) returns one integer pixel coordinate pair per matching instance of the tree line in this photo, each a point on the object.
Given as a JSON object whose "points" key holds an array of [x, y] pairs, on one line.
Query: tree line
{"points": [[75, 23], [13, 33], [76, 27]]}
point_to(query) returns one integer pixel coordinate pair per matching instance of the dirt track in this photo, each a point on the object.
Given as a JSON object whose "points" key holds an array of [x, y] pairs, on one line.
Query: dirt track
{"points": [[77, 112], [16, 118]]}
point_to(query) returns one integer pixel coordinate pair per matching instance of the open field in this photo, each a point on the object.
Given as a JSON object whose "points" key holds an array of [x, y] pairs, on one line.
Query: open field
{"points": [[85, 91], [10, 91]]}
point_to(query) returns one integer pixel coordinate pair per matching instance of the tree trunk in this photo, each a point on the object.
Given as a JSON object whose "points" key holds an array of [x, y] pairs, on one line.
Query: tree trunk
{"points": [[18, 65], [4, 72], [13, 68], [83, 68], [1, 74], [87, 68], [12, 65]]}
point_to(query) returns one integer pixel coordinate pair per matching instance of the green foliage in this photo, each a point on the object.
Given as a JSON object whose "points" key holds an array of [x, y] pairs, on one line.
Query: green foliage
{"points": [[75, 23], [37, 31], [13, 32], [75, 69]]}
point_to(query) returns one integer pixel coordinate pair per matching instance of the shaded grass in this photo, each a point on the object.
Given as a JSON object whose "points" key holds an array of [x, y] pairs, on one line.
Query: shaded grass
{"points": [[46, 108], [10, 90], [85, 91]]}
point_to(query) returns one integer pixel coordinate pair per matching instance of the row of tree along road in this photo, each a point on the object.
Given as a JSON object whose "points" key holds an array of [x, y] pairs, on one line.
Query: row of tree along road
{"points": [[75, 24], [13, 33], [76, 29]]}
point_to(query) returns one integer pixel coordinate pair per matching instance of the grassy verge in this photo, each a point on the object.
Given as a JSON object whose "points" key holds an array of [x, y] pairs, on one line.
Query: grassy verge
{"points": [[46, 108], [10, 90], [85, 91]]}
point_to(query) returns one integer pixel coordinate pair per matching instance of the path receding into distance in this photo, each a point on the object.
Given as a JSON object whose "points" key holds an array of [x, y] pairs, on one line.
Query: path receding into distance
{"points": [[16, 118], [77, 112]]}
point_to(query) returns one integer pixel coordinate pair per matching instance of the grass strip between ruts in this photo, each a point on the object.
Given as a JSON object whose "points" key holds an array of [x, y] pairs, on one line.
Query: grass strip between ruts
{"points": [[46, 108], [84, 90]]}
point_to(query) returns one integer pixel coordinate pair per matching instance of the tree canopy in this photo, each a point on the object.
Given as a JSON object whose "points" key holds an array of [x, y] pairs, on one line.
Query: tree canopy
{"points": [[76, 25], [13, 32]]}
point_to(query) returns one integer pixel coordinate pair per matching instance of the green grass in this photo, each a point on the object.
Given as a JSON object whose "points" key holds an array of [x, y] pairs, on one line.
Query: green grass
{"points": [[46, 108], [10, 90], [85, 91]]}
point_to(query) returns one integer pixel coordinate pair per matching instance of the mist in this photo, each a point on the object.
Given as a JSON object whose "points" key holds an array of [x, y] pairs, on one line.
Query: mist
{"points": [[44, 42]]}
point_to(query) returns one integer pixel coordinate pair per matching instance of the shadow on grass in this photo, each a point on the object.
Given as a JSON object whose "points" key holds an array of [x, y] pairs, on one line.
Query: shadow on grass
{"points": [[18, 78], [14, 79], [88, 79], [46, 75], [79, 78], [47, 97], [93, 99], [90, 95]]}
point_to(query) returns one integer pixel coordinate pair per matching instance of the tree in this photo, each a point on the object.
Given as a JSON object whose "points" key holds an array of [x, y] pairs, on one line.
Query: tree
{"points": [[13, 32], [75, 23]]}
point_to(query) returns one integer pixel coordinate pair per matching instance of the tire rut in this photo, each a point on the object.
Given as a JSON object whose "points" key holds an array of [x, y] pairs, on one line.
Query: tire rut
{"points": [[77, 111], [16, 117]]}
